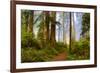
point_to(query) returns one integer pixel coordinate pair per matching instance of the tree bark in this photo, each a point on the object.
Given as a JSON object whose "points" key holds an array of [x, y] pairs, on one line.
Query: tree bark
{"points": [[53, 26], [30, 22], [47, 24]]}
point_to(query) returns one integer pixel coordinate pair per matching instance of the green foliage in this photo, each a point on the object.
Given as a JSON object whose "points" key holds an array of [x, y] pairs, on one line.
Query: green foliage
{"points": [[85, 23], [28, 40], [26, 55], [81, 50], [61, 47], [33, 55], [41, 55]]}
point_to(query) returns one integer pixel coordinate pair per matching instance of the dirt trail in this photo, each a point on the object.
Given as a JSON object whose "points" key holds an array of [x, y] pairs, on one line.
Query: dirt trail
{"points": [[60, 57]]}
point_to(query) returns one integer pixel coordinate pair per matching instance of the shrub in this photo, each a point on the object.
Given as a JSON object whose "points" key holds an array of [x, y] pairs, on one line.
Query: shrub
{"points": [[80, 50], [28, 41], [34, 55], [26, 55], [31, 53], [40, 56], [44, 54], [60, 47]]}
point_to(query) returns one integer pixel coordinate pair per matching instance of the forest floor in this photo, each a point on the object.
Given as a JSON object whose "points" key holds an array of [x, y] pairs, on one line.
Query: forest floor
{"points": [[60, 57]]}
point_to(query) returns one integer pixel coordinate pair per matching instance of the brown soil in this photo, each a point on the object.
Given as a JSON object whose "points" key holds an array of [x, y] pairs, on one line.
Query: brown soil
{"points": [[60, 57]]}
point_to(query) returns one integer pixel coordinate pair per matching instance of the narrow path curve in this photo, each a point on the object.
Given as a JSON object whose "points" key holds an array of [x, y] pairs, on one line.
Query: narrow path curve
{"points": [[60, 57]]}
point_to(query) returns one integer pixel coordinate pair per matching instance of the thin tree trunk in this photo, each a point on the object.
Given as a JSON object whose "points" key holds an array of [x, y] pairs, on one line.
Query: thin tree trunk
{"points": [[59, 33], [64, 32], [70, 33]]}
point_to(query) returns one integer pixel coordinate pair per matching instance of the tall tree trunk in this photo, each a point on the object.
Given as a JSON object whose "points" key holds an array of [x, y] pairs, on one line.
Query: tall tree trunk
{"points": [[72, 31], [70, 34], [73, 27], [44, 29], [30, 22], [47, 24], [53, 27]]}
